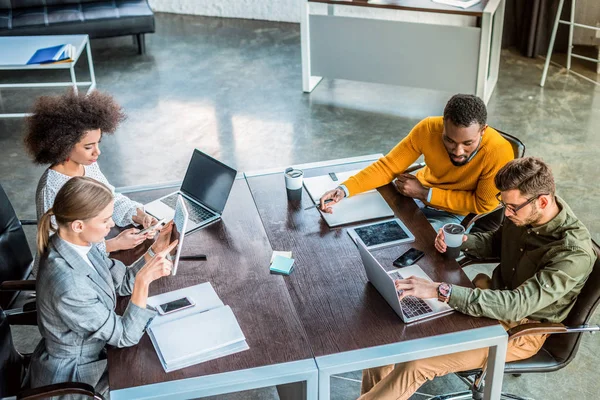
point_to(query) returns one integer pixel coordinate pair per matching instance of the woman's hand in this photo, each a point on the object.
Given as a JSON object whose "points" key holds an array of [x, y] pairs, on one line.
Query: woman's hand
{"points": [[163, 238], [141, 218], [157, 267], [128, 239], [154, 269]]}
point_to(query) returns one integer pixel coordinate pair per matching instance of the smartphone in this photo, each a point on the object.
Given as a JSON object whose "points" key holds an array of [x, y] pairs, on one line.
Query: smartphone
{"points": [[158, 224], [409, 257], [175, 305]]}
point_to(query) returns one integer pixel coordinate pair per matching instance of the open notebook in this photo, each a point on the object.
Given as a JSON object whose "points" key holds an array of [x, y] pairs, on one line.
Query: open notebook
{"points": [[197, 334], [362, 207]]}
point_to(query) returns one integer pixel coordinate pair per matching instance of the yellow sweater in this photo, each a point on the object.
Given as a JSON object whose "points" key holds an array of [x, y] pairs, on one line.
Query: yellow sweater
{"points": [[461, 190]]}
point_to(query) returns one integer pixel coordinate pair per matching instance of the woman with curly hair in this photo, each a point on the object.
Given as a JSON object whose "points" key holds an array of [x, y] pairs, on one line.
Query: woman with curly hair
{"points": [[65, 132]]}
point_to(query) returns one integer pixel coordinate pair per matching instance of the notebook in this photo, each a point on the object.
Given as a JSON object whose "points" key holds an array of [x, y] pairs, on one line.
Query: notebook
{"points": [[206, 331], [362, 207]]}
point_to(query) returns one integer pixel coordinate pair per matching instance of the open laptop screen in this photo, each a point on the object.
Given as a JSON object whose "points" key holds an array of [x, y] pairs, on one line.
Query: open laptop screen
{"points": [[209, 181]]}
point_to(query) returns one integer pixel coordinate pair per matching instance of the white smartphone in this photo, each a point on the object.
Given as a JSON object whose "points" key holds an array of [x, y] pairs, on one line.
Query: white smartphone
{"points": [[158, 224], [175, 305]]}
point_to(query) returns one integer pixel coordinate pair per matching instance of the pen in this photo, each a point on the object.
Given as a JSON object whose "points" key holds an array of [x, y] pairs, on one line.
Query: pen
{"points": [[197, 257], [317, 205]]}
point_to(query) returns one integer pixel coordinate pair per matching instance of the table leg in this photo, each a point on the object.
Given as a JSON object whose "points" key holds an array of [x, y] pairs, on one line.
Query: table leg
{"points": [[90, 65], [73, 79], [324, 385], [308, 82], [495, 370], [305, 390]]}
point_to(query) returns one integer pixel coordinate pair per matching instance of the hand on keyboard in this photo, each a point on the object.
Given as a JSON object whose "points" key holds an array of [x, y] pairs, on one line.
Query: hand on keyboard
{"points": [[417, 287]]}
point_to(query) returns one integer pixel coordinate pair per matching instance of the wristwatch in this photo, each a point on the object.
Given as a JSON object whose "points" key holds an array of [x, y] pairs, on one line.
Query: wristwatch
{"points": [[444, 291]]}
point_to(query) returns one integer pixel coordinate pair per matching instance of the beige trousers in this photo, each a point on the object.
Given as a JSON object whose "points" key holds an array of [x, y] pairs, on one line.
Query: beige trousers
{"points": [[399, 382]]}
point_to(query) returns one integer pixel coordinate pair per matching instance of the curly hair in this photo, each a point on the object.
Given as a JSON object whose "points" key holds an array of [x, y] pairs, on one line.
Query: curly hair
{"points": [[58, 123], [465, 109]]}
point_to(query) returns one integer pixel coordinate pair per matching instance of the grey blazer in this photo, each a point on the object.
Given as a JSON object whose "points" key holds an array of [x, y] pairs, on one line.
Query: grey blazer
{"points": [[76, 314]]}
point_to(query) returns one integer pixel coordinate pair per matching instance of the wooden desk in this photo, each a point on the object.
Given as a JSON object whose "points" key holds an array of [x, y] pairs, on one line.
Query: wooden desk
{"points": [[437, 56], [348, 324], [238, 258], [325, 309]]}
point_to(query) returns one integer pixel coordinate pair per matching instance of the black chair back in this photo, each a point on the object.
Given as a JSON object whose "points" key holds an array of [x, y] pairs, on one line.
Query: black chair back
{"points": [[564, 347], [12, 366], [15, 256], [560, 349], [493, 220]]}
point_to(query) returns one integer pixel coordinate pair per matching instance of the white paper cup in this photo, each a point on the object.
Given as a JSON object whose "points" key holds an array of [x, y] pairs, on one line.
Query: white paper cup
{"points": [[293, 178], [453, 236]]}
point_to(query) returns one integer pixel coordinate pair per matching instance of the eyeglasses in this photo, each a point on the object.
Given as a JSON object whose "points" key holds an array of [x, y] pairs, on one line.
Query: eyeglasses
{"points": [[515, 209]]}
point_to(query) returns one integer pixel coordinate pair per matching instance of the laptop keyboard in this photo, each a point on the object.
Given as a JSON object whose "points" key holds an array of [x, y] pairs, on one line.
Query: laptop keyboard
{"points": [[198, 214], [412, 306]]}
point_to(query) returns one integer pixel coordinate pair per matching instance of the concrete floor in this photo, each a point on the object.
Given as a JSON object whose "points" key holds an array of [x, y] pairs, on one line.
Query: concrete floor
{"points": [[232, 88]]}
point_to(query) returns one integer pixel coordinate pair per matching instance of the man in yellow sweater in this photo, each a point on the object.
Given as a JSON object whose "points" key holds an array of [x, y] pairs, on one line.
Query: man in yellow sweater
{"points": [[462, 153]]}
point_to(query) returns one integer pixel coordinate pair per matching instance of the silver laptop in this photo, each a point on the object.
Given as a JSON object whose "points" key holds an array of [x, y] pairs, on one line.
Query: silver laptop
{"points": [[410, 308], [204, 190]]}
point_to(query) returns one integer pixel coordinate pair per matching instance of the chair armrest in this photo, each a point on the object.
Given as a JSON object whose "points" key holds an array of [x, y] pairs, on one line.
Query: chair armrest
{"points": [[60, 389], [28, 222], [471, 218], [20, 317], [414, 167], [542, 328], [466, 261], [17, 285]]}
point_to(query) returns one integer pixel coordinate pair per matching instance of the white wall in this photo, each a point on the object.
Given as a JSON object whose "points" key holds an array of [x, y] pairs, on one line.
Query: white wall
{"points": [[289, 11]]}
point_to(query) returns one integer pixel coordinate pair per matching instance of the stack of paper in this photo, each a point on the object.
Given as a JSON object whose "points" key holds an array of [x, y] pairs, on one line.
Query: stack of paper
{"points": [[200, 333], [362, 207], [282, 264], [459, 3]]}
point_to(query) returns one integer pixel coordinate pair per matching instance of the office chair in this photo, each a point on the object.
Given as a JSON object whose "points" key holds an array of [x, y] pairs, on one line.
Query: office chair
{"points": [[560, 347], [491, 220], [13, 366], [15, 256]]}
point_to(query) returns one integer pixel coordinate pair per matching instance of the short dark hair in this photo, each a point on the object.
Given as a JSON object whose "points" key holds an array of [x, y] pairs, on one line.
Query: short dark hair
{"points": [[465, 109], [530, 175], [58, 123]]}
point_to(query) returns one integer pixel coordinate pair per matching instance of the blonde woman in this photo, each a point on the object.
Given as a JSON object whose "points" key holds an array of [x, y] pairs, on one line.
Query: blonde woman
{"points": [[76, 302]]}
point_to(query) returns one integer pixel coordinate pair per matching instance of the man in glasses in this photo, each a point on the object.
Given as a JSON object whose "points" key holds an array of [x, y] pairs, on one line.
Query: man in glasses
{"points": [[546, 255], [462, 155]]}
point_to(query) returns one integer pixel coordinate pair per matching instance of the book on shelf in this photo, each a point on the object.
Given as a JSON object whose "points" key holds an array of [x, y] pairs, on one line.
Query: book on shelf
{"points": [[55, 54], [206, 331], [464, 4]]}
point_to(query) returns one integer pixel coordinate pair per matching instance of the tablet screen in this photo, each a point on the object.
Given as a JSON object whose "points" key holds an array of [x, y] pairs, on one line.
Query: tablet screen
{"points": [[383, 233]]}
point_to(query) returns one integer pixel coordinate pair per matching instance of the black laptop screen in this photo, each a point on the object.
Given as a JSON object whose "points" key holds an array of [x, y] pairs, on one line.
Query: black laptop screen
{"points": [[208, 181]]}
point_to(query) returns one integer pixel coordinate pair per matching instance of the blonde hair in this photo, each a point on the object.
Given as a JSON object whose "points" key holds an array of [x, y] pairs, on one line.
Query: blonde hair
{"points": [[81, 198]]}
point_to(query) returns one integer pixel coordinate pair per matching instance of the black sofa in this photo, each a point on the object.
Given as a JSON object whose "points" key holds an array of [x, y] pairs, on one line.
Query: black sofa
{"points": [[97, 18]]}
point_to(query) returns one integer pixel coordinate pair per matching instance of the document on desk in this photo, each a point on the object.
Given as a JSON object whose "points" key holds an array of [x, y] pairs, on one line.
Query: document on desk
{"points": [[362, 207], [200, 333]]}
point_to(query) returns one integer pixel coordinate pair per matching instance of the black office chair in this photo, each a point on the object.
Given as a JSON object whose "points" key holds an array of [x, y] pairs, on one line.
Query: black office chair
{"points": [[560, 347], [491, 220], [13, 366], [15, 256]]}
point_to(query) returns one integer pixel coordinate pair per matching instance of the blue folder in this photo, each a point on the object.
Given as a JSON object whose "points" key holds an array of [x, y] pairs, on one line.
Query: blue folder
{"points": [[49, 54]]}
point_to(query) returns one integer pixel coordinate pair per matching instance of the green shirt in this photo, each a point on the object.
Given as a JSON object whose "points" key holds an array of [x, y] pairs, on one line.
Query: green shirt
{"points": [[541, 272]]}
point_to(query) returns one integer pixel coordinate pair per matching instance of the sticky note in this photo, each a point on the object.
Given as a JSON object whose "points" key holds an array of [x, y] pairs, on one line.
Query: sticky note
{"points": [[286, 254], [282, 265]]}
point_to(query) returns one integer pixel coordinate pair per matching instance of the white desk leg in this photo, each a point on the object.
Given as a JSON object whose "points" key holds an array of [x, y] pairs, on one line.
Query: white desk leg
{"points": [[312, 386], [551, 45], [495, 370], [73, 78], [308, 82], [324, 385], [484, 55], [90, 65]]}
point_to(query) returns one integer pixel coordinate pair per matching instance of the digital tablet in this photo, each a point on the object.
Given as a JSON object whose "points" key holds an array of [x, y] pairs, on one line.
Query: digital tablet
{"points": [[381, 234]]}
